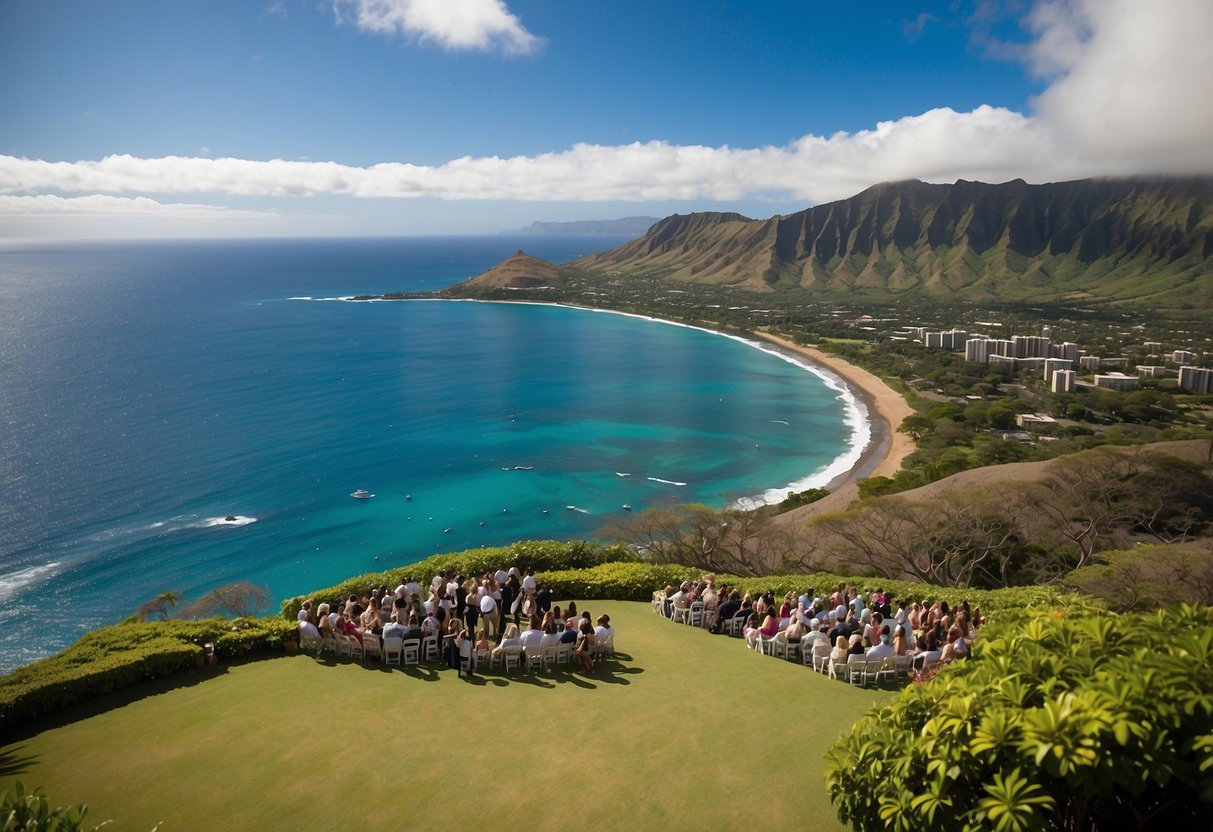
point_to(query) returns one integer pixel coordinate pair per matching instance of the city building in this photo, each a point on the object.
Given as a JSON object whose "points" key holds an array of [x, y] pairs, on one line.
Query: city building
{"points": [[1030, 346], [1196, 379], [1117, 381], [1068, 351], [1038, 422], [1063, 381], [1182, 357], [1088, 362], [1052, 365]]}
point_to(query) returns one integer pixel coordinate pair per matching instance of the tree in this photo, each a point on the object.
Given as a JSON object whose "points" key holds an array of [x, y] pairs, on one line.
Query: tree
{"points": [[955, 542], [916, 425], [735, 541], [160, 606], [1149, 577], [242, 599]]}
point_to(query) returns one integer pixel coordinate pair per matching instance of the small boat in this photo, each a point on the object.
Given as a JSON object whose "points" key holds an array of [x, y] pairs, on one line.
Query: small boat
{"points": [[446, 531], [361, 494], [627, 507], [408, 496], [570, 508]]}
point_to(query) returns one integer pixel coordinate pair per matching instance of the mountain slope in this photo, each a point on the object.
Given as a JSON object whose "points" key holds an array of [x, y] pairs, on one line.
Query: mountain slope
{"points": [[1111, 239]]}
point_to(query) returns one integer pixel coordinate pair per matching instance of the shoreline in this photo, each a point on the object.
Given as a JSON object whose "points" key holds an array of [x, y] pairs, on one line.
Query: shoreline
{"points": [[885, 410]]}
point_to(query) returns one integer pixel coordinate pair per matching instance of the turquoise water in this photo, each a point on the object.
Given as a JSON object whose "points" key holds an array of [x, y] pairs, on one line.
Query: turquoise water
{"points": [[149, 390]]}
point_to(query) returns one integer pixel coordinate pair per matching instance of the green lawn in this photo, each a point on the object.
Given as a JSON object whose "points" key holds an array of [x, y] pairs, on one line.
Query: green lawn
{"points": [[685, 731]]}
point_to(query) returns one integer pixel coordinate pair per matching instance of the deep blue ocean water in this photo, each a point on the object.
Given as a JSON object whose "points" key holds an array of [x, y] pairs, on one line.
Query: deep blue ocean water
{"points": [[148, 390]]}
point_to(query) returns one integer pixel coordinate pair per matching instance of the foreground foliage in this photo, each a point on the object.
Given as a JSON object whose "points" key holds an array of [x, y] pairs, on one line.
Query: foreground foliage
{"points": [[21, 810], [1103, 722]]}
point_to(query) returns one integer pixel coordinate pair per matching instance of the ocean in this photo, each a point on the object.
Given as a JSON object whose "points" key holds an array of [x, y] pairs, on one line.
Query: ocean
{"points": [[150, 390]]}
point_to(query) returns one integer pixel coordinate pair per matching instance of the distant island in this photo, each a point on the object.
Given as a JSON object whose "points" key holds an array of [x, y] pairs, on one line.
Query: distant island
{"points": [[630, 226]]}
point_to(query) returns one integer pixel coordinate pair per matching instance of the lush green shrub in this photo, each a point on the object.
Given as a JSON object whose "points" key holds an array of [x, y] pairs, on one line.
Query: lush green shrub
{"points": [[112, 658], [1059, 722], [22, 811]]}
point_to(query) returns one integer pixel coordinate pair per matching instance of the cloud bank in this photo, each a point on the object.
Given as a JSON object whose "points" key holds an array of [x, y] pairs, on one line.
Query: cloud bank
{"points": [[481, 25], [1126, 95]]}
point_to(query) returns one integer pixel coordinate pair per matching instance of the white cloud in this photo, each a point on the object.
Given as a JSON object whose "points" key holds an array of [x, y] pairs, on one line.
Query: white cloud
{"points": [[482, 25], [103, 205], [1127, 96]]}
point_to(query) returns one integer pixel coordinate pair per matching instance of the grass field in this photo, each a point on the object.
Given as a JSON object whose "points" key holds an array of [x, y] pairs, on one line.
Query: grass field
{"points": [[684, 731]]}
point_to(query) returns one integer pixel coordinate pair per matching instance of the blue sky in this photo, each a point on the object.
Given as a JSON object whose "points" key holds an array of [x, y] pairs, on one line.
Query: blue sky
{"points": [[348, 117]]}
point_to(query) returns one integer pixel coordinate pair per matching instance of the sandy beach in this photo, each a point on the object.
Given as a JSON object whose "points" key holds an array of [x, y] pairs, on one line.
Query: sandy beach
{"points": [[886, 409]]}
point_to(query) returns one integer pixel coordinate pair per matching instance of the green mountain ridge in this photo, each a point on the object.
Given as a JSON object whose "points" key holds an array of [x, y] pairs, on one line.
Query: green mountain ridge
{"points": [[1098, 240]]}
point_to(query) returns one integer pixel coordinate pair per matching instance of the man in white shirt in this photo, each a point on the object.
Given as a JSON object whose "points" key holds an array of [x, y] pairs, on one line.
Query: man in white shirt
{"points": [[488, 613], [814, 635], [411, 588], [883, 650]]}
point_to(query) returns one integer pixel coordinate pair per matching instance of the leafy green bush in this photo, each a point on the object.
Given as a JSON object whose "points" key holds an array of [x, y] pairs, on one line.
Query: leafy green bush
{"points": [[112, 658], [22, 811], [1075, 723]]}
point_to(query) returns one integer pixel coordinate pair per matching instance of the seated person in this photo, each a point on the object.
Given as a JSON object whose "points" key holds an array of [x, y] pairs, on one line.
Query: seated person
{"points": [[532, 639], [883, 649], [728, 609], [511, 642], [604, 630], [413, 629]]}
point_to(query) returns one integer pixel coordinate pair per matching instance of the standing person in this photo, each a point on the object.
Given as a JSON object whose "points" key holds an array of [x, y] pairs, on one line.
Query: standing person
{"points": [[543, 601], [510, 598], [488, 613]]}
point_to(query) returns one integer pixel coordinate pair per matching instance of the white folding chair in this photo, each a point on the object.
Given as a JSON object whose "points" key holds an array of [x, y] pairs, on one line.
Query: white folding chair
{"points": [[857, 669], [429, 647], [694, 615], [356, 649], [410, 650], [681, 613], [564, 653], [392, 648], [821, 654], [371, 646], [343, 645], [534, 658]]}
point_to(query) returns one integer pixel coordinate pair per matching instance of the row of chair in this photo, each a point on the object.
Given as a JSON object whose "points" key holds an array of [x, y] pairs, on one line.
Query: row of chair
{"points": [[858, 670], [413, 651]]}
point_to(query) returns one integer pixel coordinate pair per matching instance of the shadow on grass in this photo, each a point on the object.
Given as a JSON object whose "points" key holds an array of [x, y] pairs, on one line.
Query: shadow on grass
{"points": [[12, 762], [94, 707]]}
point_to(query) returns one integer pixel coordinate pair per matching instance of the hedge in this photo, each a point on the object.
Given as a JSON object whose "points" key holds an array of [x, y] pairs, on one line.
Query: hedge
{"points": [[112, 658]]}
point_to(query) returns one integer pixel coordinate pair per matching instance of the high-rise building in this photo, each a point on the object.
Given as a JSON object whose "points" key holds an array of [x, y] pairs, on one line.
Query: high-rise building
{"points": [[1063, 381], [1196, 379], [1068, 351], [1182, 357], [1052, 365]]}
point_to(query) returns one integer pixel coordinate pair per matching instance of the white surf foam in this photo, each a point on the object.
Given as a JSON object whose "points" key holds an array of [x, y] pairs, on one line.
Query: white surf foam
{"points": [[666, 482], [13, 583]]}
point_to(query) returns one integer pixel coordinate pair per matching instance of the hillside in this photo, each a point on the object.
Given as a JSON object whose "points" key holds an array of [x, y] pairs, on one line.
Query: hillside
{"points": [[1136, 240], [519, 271]]}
